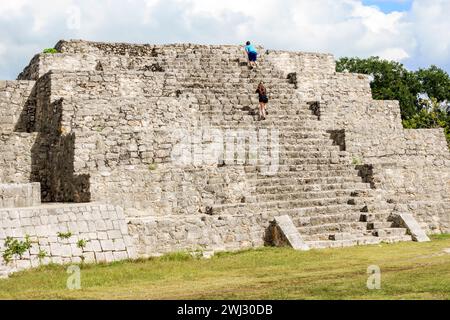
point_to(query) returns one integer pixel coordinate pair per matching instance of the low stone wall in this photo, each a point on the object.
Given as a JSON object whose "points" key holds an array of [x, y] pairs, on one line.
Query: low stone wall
{"points": [[423, 190], [170, 190], [160, 235], [20, 195], [427, 142], [102, 228]]}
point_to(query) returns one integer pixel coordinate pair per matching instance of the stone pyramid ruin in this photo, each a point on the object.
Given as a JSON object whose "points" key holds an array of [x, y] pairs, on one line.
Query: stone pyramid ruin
{"points": [[141, 150]]}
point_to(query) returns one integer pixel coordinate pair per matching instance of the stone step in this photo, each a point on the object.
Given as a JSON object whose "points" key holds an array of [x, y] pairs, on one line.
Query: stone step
{"points": [[295, 135], [289, 129], [284, 196], [319, 161], [294, 155], [302, 215], [245, 101], [345, 215], [313, 181], [314, 154], [387, 232], [242, 208], [281, 109], [306, 177], [379, 225], [277, 124], [277, 169], [335, 236], [333, 228], [244, 115], [241, 86], [367, 240], [276, 188], [20, 195], [375, 216], [261, 159], [275, 116]]}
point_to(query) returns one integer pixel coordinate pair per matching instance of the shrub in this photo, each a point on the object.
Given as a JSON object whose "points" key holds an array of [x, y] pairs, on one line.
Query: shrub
{"points": [[14, 247], [50, 50], [82, 244], [65, 235]]}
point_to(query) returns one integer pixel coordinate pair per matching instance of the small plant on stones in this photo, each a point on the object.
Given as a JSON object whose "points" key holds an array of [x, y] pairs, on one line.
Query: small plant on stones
{"points": [[64, 235], [82, 244], [356, 161], [50, 51], [14, 247], [42, 255], [152, 167]]}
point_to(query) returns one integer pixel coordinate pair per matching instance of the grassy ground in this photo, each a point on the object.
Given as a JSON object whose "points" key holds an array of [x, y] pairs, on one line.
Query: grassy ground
{"points": [[409, 271]]}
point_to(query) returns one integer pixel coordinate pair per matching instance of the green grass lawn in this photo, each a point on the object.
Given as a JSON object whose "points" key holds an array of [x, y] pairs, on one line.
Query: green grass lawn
{"points": [[409, 271]]}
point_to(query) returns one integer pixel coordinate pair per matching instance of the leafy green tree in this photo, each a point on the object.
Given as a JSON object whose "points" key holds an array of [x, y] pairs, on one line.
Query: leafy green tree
{"points": [[435, 83]]}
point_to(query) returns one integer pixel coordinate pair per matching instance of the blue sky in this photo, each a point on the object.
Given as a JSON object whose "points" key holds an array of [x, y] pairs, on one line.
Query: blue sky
{"points": [[388, 6], [414, 32]]}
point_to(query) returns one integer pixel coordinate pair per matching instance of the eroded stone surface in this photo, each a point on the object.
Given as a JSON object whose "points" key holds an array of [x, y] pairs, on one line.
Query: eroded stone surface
{"points": [[169, 133]]}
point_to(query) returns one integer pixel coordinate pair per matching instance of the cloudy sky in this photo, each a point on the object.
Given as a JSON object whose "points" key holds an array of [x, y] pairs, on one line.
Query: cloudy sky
{"points": [[415, 32]]}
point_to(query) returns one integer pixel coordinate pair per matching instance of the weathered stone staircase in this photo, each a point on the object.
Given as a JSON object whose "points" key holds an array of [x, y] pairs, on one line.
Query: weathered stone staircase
{"points": [[95, 122], [315, 182]]}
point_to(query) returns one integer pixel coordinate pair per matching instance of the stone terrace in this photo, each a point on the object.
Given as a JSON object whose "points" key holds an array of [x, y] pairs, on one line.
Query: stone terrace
{"points": [[171, 135]]}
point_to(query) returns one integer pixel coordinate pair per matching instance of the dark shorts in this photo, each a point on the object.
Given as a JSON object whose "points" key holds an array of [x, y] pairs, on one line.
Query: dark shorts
{"points": [[263, 99], [252, 56]]}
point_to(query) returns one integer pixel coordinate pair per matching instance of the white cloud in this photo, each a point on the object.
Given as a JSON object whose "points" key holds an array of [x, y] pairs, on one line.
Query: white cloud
{"points": [[396, 54], [431, 22], [344, 27], [11, 8]]}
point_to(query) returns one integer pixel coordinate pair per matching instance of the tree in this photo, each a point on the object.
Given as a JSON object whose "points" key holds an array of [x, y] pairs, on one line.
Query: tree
{"points": [[435, 83]]}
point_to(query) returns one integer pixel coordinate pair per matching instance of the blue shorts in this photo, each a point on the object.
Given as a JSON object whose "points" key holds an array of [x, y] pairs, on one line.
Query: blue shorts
{"points": [[252, 56]]}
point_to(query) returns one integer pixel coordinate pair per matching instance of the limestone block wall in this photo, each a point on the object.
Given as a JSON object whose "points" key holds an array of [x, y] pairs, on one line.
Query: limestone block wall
{"points": [[289, 62], [422, 189], [46, 62], [101, 141], [160, 235], [103, 228], [430, 143], [170, 190], [16, 103], [335, 91], [20, 195], [108, 118], [375, 131], [16, 158], [78, 55]]}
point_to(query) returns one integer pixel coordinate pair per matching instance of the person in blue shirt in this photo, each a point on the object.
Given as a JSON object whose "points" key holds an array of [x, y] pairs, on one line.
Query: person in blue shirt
{"points": [[251, 53]]}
